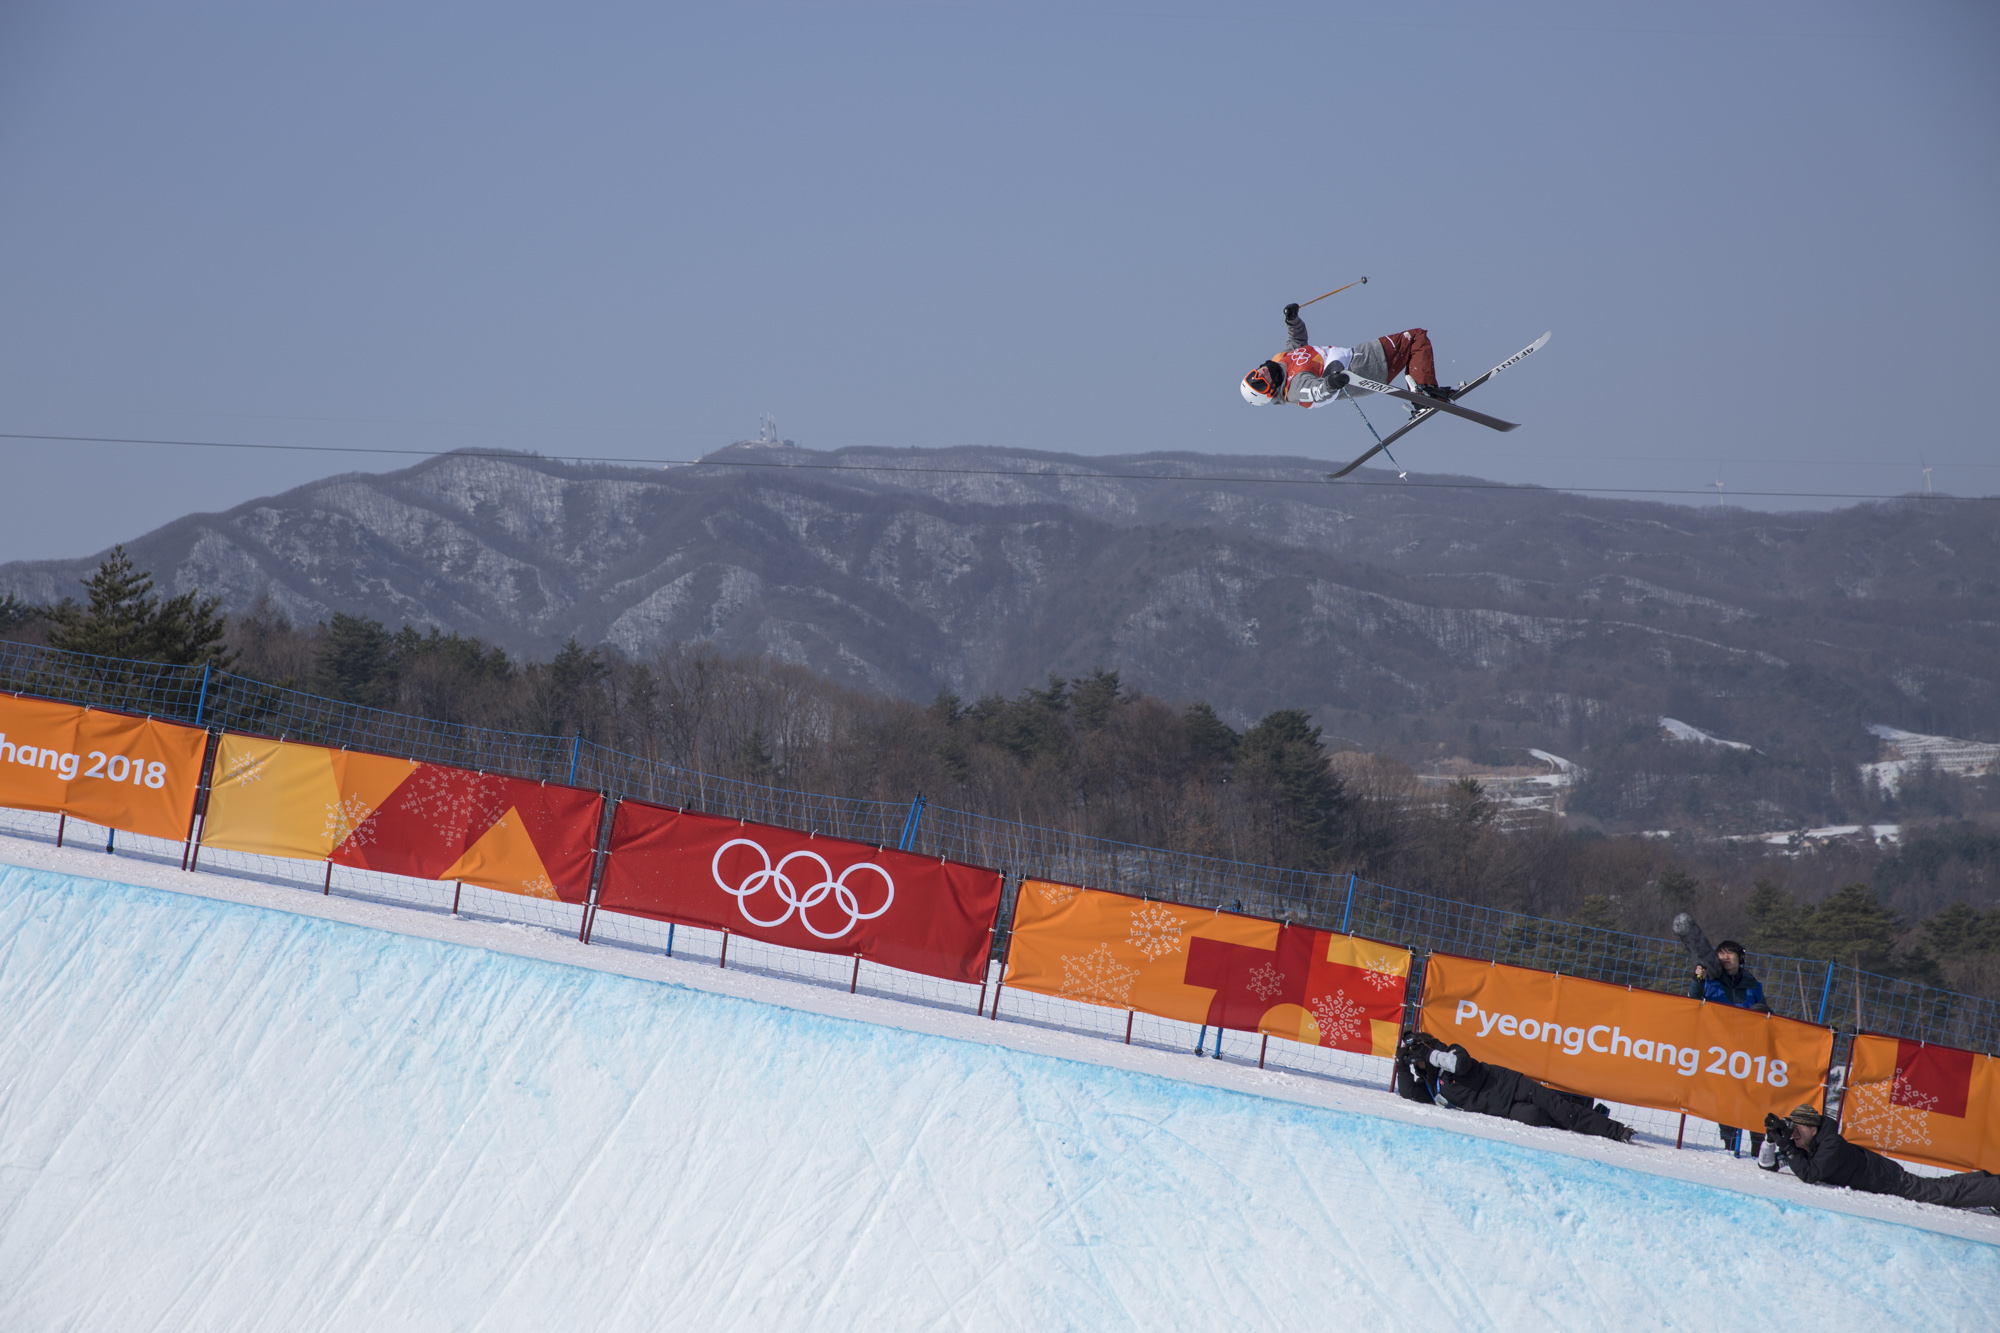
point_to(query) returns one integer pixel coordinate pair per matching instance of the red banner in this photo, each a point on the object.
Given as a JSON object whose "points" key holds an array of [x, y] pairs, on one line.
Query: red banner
{"points": [[827, 895], [453, 823], [1932, 1104]]}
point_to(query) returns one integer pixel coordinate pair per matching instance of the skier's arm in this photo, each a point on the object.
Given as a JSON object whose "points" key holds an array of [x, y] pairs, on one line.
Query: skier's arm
{"points": [[1295, 327]]}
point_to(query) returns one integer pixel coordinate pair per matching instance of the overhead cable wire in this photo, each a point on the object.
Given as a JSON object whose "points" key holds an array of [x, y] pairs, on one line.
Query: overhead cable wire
{"points": [[1042, 473]]}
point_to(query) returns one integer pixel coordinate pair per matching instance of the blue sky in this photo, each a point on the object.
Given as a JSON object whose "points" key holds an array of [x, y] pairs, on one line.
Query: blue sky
{"points": [[1763, 235]]}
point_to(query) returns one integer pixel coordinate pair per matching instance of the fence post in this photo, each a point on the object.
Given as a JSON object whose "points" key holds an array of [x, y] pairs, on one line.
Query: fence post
{"points": [[201, 705], [1825, 994], [910, 824], [608, 821], [575, 753], [198, 817], [1349, 910]]}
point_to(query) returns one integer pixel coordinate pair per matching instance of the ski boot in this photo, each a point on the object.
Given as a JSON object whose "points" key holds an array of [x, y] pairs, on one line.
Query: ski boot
{"points": [[1440, 392]]}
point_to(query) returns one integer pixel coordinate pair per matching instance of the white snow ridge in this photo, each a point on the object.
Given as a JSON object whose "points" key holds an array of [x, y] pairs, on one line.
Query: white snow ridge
{"points": [[1681, 731], [221, 1116]]}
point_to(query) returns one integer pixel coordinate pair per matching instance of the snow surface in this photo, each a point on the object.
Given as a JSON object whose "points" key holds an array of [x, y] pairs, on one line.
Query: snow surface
{"points": [[1681, 731], [218, 1115], [1909, 750]]}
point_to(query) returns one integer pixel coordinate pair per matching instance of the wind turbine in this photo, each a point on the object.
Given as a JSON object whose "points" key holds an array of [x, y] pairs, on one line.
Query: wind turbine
{"points": [[1927, 472]]}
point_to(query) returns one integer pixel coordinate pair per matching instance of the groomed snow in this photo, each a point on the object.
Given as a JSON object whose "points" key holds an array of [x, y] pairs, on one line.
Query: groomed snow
{"points": [[216, 1115]]}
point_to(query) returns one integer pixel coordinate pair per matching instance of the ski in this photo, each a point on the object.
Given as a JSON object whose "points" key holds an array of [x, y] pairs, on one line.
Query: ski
{"points": [[1432, 405]]}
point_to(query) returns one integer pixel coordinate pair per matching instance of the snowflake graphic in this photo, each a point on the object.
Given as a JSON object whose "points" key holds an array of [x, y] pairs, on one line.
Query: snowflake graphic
{"points": [[1055, 895], [347, 819], [1892, 1116], [245, 768], [538, 887], [1382, 974], [1098, 978], [1266, 981], [456, 804], [1339, 1018], [1156, 932]]}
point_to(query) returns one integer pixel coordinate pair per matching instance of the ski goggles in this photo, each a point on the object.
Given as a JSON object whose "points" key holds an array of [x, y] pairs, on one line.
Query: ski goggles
{"points": [[1267, 379]]}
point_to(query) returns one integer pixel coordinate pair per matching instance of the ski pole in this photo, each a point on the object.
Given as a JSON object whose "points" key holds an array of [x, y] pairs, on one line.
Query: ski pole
{"points": [[1335, 292]]}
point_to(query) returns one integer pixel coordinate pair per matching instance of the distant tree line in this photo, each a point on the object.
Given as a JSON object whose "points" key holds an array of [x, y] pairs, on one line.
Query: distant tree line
{"points": [[1090, 755]]}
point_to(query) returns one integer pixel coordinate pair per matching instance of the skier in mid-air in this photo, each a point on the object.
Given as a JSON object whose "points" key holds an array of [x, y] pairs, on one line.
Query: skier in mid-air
{"points": [[1309, 375]]}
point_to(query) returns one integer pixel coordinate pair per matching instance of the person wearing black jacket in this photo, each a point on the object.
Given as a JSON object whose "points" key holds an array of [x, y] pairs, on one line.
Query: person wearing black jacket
{"points": [[1429, 1071], [1819, 1156]]}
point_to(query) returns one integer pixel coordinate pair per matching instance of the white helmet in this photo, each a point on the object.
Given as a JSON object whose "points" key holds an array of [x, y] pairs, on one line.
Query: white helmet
{"points": [[1262, 386]]}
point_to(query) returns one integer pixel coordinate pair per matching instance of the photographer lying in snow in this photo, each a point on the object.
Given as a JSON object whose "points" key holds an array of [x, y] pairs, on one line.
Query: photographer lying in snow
{"points": [[1429, 1071], [1819, 1156]]}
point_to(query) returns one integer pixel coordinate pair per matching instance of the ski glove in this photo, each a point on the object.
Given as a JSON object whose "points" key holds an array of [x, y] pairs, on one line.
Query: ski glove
{"points": [[1445, 1060], [1767, 1156], [1291, 312]]}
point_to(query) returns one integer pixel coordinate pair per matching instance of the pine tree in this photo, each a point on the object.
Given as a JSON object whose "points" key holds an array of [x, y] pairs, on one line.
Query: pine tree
{"points": [[1211, 742], [126, 619], [1853, 927], [1776, 924], [15, 613], [353, 662], [1282, 757], [1093, 698], [1677, 888]]}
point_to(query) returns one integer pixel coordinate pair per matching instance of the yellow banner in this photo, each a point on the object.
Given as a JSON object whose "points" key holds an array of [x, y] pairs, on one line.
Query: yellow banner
{"points": [[1640, 1047], [427, 821], [134, 774], [1932, 1104], [277, 798], [1204, 966]]}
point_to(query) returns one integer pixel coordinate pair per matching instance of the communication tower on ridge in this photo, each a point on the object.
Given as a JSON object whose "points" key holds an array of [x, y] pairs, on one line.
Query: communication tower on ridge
{"points": [[767, 431]]}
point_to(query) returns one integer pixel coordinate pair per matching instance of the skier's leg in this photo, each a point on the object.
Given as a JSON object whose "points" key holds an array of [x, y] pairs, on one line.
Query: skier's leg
{"points": [[1371, 361], [1410, 352]]}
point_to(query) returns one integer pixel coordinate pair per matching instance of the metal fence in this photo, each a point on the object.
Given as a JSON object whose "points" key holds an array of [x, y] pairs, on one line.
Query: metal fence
{"points": [[1813, 990]]}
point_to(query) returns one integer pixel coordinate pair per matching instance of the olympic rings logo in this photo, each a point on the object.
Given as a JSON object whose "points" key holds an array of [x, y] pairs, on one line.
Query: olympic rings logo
{"points": [[794, 898]]}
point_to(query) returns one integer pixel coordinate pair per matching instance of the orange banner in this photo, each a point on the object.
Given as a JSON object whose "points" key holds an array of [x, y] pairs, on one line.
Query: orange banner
{"points": [[1203, 966], [129, 773], [1639, 1047], [429, 821], [1931, 1104]]}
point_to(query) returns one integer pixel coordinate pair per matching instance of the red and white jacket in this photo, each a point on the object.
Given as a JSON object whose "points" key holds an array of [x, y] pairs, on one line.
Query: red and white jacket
{"points": [[1300, 358]]}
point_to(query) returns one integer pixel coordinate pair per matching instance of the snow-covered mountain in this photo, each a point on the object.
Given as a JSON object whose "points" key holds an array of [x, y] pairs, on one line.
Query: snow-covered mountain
{"points": [[1400, 615]]}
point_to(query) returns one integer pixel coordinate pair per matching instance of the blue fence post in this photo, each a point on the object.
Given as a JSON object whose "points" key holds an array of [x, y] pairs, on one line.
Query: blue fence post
{"points": [[1825, 993], [575, 752], [910, 824], [201, 705], [1349, 911]]}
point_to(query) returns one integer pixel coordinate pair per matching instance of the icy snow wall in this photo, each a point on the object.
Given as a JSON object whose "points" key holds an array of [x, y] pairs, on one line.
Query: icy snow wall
{"points": [[220, 1117]]}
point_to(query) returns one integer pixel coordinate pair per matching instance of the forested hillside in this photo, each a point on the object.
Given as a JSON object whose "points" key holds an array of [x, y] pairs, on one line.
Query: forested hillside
{"points": [[1443, 618]]}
